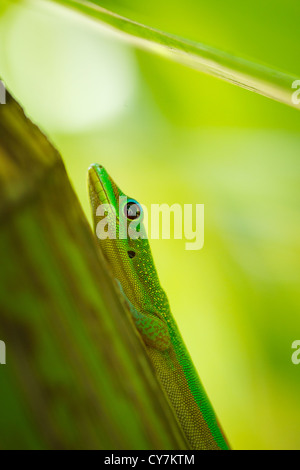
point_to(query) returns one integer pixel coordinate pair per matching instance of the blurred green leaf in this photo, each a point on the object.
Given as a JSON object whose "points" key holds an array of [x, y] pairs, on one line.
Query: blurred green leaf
{"points": [[252, 76]]}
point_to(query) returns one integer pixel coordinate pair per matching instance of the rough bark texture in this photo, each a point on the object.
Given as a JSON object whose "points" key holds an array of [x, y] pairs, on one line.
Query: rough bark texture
{"points": [[77, 375]]}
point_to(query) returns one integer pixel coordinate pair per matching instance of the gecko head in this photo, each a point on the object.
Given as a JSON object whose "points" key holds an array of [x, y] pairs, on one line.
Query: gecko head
{"points": [[107, 200], [127, 251]]}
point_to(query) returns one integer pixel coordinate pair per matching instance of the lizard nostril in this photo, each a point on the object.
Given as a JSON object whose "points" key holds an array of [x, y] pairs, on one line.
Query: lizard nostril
{"points": [[131, 254]]}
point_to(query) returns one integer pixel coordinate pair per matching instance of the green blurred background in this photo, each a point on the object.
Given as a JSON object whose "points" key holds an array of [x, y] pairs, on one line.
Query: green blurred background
{"points": [[168, 134]]}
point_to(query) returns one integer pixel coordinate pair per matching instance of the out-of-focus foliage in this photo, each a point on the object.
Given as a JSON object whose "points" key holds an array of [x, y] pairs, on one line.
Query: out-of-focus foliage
{"points": [[168, 134]]}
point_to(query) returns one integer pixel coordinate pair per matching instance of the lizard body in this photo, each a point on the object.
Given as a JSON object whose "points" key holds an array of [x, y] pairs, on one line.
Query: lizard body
{"points": [[132, 266]]}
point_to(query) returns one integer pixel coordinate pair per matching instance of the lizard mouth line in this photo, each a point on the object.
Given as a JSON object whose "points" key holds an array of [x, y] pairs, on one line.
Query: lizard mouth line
{"points": [[98, 184]]}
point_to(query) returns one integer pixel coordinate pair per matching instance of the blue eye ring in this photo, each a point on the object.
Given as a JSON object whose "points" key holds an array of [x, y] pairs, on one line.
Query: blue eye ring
{"points": [[132, 210]]}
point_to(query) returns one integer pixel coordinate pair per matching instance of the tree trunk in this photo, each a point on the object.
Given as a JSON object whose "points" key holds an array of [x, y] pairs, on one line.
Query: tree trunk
{"points": [[77, 375]]}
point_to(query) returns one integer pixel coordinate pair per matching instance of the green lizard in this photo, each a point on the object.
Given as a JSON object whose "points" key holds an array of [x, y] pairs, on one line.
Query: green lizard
{"points": [[132, 265]]}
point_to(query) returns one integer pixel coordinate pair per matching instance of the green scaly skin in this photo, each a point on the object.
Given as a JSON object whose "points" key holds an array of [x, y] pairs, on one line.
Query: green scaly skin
{"points": [[149, 307]]}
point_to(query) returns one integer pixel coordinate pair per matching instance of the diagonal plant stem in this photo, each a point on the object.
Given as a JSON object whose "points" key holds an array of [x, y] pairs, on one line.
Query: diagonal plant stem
{"points": [[77, 375], [255, 77]]}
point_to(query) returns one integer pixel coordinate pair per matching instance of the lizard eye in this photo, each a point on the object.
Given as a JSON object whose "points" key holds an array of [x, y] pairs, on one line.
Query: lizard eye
{"points": [[132, 210]]}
